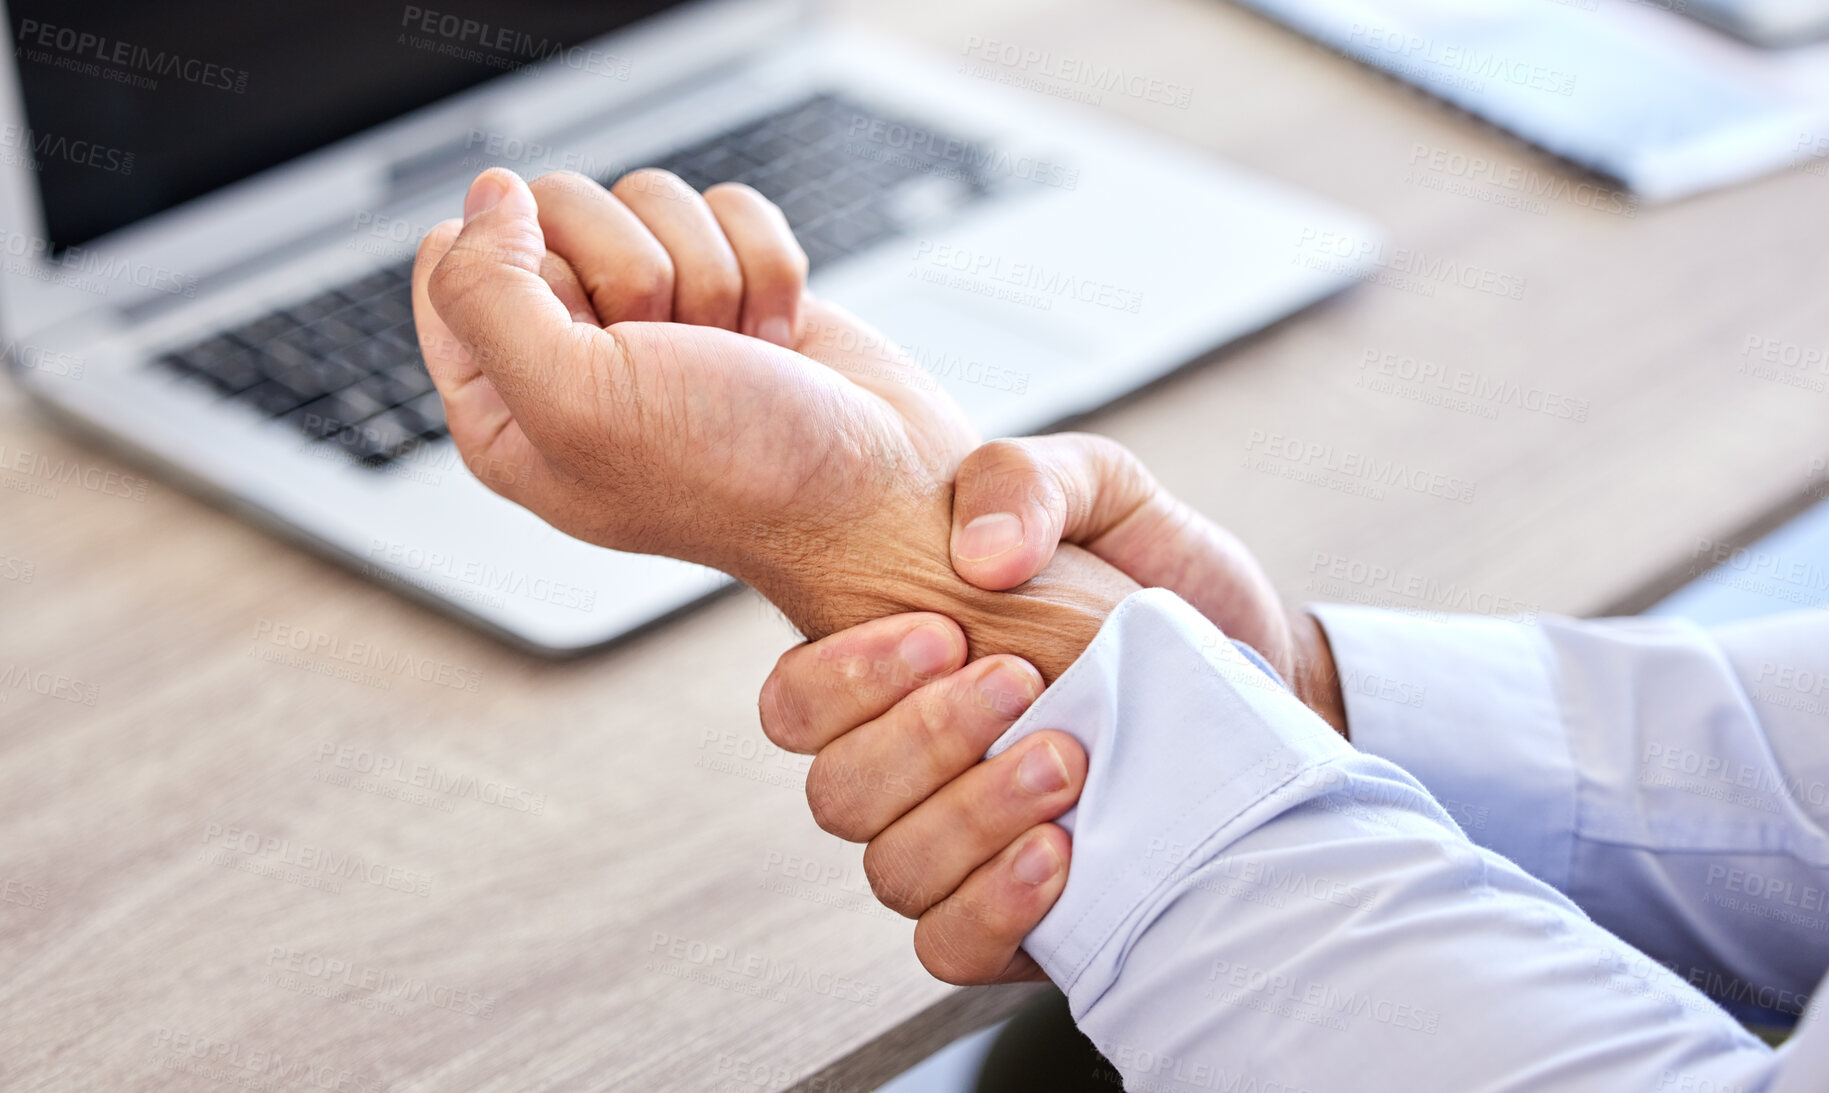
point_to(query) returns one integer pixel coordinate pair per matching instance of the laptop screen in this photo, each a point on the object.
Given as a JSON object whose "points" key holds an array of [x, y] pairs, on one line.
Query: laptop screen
{"points": [[134, 107]]}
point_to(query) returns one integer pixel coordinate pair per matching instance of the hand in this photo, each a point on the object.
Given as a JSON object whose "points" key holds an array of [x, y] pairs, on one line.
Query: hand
{"points": [[899, 728], [650, 420], [945, 842], [1016, 501]]}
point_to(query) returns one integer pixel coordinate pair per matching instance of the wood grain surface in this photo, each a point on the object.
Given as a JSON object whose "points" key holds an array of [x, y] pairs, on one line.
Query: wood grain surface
{"points": [[228, 863]]}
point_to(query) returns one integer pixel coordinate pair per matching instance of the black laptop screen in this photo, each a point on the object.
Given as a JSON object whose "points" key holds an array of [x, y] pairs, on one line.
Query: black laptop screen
{"points": [[133, 107]]}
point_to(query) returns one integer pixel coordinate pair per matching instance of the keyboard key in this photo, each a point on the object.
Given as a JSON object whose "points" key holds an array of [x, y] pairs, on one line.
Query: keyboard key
{"points": [[429, 408], [264, 328], [273, 399], [378, 438], [221, 362]]}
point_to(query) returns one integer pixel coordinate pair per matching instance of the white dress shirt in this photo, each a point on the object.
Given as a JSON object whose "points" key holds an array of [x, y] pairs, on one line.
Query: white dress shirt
{"points": [[1549, 842]]}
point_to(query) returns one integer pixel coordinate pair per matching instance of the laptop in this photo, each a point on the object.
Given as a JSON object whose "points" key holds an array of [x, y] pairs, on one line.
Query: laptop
{"points": [[1773, 24], [210, 213]]}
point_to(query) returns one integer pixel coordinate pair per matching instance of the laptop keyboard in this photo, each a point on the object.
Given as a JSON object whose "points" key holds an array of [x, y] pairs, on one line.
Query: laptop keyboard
{"points": [[344, 369]]}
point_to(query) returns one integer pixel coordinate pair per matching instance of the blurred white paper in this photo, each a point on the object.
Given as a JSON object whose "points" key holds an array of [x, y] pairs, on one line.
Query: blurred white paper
{"points": [[1663, 104]]}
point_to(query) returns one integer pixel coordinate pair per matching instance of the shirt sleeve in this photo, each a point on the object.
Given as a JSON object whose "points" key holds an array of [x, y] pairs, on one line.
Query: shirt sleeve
{"points": [[1253, 904], [1670, 780]]}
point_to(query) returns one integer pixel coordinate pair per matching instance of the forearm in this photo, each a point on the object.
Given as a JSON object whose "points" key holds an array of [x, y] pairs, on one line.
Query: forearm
{"points": [[1668, 779], [1253, 903], [836, 584]]}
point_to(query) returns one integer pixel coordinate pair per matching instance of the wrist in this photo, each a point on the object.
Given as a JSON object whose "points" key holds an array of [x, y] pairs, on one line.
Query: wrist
{"points": [[839, 583], [1314, 677]]}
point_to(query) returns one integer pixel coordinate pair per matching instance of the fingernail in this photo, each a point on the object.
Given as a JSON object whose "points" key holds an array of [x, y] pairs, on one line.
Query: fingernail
{"points": [[927, 650], [776, 329], [1036, 863], [485, 194], [988, 536], [1041, 771], [1008, 690]]}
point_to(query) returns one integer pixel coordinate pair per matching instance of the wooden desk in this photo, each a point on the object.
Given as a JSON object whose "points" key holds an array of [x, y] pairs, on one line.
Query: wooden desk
{"points": [[225, 859]]}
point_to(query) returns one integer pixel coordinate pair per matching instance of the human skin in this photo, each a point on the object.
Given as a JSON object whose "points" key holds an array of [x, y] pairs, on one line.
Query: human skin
{"points": [[972, 857], [602, 352]]}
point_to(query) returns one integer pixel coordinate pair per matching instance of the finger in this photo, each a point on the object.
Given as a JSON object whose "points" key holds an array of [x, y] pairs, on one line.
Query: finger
{"points": [[975, 935], [1014, 501], [922, 857], [707, 282], [624, 269], [774, 267], [823, 689], [565, 284], [488, 292], [868, 778], [482, 427]]}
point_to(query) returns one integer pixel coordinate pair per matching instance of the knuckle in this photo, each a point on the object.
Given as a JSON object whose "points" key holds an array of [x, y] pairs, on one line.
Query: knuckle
{"points": [[736, 193], [938, 949], [782, 270], [562, 182], [719, 288], [454, 280], [893, 878], [783, 707], [1001, 467], [932, 711], [655, 181], [831, 799], [647, 280]]}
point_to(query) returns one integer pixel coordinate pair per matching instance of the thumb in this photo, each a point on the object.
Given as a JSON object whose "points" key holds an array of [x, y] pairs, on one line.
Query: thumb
{"points": [[1015, 501], [502, 318]]}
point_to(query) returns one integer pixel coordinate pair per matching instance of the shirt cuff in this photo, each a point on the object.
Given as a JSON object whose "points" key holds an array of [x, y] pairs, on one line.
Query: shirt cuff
{"points": [[1468, 706], [1185, 736]]}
